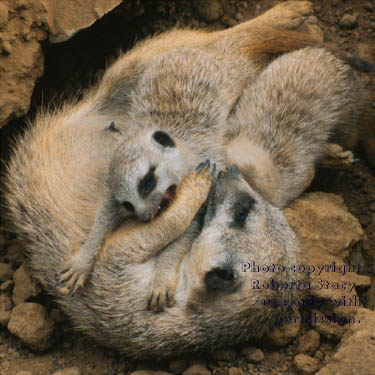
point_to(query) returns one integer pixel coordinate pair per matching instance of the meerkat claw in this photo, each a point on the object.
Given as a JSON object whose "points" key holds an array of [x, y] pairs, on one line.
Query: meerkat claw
{"points": [[213, 171], [203, 165]]}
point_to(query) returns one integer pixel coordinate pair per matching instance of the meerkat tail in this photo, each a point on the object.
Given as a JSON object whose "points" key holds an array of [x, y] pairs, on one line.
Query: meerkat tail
{"points": [[283, 41]]}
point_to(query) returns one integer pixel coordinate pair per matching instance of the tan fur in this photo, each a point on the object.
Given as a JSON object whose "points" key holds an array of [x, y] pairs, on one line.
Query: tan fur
{"points": [[135, 161], [218, 64], [57, 182], [305, 101]]}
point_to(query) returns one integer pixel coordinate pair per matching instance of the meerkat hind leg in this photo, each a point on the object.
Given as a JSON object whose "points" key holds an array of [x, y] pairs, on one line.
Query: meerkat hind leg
{"points": [[336, 157]]}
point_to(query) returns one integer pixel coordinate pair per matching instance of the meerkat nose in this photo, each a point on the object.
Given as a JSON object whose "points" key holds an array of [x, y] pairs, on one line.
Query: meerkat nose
{"points": [[145, 216]]}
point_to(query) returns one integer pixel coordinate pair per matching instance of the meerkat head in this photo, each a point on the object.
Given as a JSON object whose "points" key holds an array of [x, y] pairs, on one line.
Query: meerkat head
{"points": [[145, 172], [240, 230]]}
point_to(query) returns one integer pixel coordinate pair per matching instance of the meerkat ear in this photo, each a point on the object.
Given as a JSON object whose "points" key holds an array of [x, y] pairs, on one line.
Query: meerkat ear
{"points": [[118, 92], [163, 139]]}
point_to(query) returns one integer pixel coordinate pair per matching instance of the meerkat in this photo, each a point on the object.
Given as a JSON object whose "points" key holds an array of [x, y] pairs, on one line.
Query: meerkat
{"points": [[57, 180], [78, 140], [215, 304], [291, 117], [143, 177], [305, 106], [189, 95]]}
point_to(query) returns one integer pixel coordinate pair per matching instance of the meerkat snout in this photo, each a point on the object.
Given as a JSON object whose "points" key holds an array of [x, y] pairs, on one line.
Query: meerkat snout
{"points": [[221, 278]]}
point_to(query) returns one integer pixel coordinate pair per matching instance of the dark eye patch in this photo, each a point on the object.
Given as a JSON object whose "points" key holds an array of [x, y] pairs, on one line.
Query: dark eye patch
{"points": [[243, 205], [147, 184], [163, 139]]}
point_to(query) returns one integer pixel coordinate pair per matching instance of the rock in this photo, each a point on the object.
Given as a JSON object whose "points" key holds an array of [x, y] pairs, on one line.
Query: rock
{"points": [[6, 303], [148, 372], [309, 342], [15, 254], [3, 240], [331, 330], [6, 286], [327, 231], [365, 51], [226, 355], [4, 318], [21, 62], [209, 10], [306, 364], [283, 335], [235, 371], [24, 286], [197, 369], [4, 14], [30, 323], [348, 21], [177, 366], [253, 355], [6, 272], [68, 371], [369, 7], [24, 373], [357, 348], [22, 66], [68, 17]]}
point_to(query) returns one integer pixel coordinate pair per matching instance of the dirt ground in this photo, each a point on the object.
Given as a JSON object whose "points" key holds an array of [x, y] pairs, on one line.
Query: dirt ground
{"points": [[72, 65]]}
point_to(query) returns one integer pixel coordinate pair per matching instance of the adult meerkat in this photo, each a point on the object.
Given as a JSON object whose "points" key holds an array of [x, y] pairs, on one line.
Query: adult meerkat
{"points": [[305, 106], [215, 301]]}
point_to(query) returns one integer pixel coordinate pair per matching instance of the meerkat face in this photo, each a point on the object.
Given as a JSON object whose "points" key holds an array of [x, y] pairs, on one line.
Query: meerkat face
{"points": [[145, 173], [239, 228]]}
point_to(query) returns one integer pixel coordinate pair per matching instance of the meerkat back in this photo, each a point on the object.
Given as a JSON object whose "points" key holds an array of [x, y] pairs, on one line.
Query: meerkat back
{"points": [[286, 121]]}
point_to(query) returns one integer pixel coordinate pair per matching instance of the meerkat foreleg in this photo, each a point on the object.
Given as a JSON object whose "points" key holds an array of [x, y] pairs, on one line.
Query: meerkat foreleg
{"points": [[78, 267], [162, 288]]}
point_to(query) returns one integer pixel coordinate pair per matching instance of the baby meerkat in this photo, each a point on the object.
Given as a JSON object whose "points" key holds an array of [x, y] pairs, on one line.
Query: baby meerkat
{"points": [[143, 177]]}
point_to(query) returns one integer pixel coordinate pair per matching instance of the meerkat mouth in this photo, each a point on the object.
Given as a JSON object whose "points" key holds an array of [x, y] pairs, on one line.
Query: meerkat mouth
{"points": [[167, 198]]}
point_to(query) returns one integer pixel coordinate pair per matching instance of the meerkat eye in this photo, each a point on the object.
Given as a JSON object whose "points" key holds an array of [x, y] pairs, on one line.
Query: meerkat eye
{"points": [[128, 206], [147, 184], [163, 139], [241, 210]]}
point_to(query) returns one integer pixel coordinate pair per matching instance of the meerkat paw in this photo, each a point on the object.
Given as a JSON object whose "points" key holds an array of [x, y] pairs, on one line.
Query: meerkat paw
{"points": [[161, 294], [74, 275], [288, 15], [335, 151], [197, 184]]}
